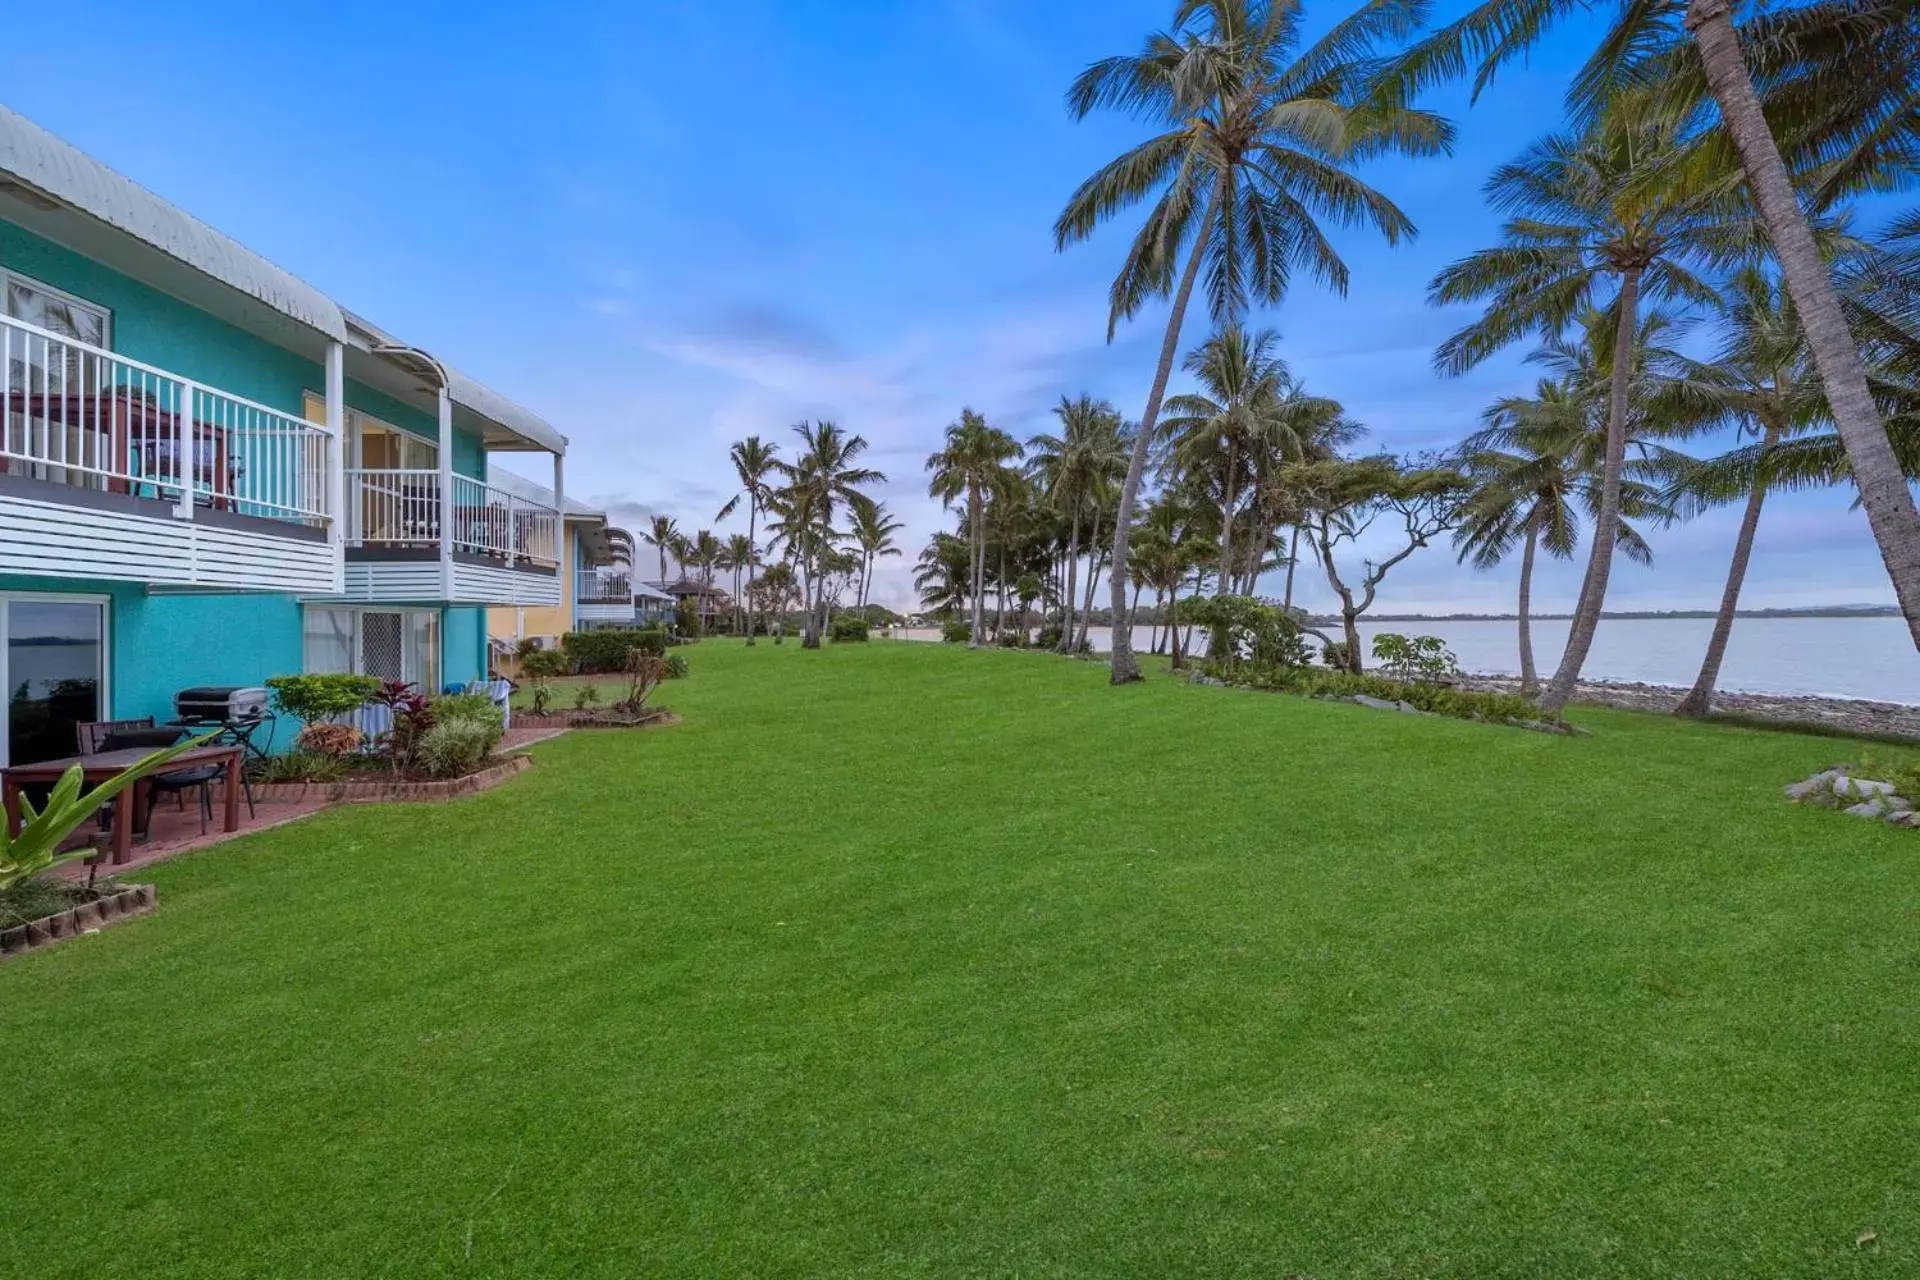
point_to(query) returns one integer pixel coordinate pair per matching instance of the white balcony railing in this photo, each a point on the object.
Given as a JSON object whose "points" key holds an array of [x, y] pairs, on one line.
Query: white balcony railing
{"points": [[401, 509], [602, 586], [79, 415]]}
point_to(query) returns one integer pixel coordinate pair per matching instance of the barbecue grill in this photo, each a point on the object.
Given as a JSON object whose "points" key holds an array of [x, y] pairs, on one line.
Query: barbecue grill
{"points": [[238, 711]]}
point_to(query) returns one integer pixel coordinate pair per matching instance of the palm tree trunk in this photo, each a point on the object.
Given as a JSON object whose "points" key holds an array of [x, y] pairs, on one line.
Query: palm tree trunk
{"points": [[1699, 699], [1293, 556], [1123, 668], [979, 566], [1093, 576], [753, 557], [1065, 643], [1226, 524], [1883, 489], [1529, 680], [1000, 595], [1606, 524], [1173, 627]]}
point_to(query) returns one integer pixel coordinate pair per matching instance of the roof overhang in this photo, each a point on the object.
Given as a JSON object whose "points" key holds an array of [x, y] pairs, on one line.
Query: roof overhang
{"points": [[414, 376], [55, 190]]}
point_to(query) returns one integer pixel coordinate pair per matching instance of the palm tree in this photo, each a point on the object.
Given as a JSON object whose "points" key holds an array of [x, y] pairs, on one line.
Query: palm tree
{"points": [[1762, 382], [1254, 146], [1841, 73], [755, 463], [941, 575], [703, 552], [737, 554], [824, 477], [775, 587], [873, 529], [663, 535], [1071, 469], [1601, 210], [975, 462]]}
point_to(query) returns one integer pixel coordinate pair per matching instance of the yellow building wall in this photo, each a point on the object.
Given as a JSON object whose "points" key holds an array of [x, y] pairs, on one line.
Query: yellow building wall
{"points": [[552, 621]]}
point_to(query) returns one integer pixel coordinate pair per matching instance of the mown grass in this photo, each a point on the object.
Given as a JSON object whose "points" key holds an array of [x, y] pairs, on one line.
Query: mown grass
{"points": [[900, 960]]}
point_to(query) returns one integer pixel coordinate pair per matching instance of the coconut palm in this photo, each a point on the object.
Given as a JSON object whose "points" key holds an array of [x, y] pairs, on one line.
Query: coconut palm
{"points": [[942, 574], [1841, 75], [825, 477], [975, 462], [873, 528], [703, 551], [1072, 468], [663, 535], [1605, 211], [1762, 383], [1255, 141], [756, 463], [737, 554]]}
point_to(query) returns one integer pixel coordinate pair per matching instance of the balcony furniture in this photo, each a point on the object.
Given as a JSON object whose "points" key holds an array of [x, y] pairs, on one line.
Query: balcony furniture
{"points": [[135, 443], [174, 782], [101, 766]]}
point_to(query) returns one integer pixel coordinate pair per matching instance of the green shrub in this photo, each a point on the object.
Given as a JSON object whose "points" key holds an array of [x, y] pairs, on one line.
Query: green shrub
{"points": [[1420, 658], [300, 765], [315, 698], [676, 666], [454, 747], [1334, 654], [471, 708], [601, 652], [1316, 682], [848, 627], [1242, 629], [1049, 638], [652, 640], [956, 632], [544, 664]]}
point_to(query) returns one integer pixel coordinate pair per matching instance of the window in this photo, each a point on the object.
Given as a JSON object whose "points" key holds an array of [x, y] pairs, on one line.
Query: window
{"points": [[388, 644], [53, 666], [48, 308]]}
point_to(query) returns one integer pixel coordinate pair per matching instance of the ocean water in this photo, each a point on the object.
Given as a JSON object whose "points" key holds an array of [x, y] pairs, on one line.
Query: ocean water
{"points": [[1836, 657]]}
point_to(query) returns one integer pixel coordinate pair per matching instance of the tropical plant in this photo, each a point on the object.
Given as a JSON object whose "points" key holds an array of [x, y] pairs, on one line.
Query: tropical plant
{"points": [[943, 574], [453, 748], [320, 696], [848, 628], [757, 464], [1605, 211], [1763, 384], [663, 535], [327, 738], [976, 462], [825, 477], [1256, 138], [737, 555], [872, 528], [1839, 76], [1421, 659], [1075, 469]]}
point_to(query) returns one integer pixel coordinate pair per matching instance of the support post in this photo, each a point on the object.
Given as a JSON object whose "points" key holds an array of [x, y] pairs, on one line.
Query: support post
{"points": [[336, 503], [446, 493]]}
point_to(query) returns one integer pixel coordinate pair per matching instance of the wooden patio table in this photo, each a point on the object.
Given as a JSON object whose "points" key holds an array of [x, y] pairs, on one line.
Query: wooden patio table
{"points": [[102, 766]]}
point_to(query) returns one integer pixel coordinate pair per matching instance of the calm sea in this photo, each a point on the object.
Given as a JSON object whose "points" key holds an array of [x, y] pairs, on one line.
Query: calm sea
{"points": [[1837, 657]]}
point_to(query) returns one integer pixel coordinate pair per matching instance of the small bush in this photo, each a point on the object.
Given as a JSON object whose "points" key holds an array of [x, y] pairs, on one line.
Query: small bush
{"points": [[1334, 654], [1425, 659], [676, 667], [848, 628], [1244, 629], [1010, 640], [544, 664], [471, 708], [585, 696], [601, 652], [1049, 638], [300, 766], [652, 640], [956, 632], [1316, 682], [328, 739], [454, 747], [316, 698]]}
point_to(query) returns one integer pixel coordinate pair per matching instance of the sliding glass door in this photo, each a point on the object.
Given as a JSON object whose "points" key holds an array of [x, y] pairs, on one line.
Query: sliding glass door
{"points": [[391, 644], [53, 666]]}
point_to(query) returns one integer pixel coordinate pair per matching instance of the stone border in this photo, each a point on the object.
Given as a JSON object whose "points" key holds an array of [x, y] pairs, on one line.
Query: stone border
{"points": [[659, 718], [377, 790], [76, 921]]}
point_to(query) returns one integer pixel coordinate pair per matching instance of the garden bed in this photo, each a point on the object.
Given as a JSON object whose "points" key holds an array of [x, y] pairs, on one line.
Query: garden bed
{"points": [[91, 911], [371, 786], [652, 717]]}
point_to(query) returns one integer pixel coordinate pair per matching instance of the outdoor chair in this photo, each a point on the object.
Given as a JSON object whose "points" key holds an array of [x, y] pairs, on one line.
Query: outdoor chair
{"points": [[176, 782]]}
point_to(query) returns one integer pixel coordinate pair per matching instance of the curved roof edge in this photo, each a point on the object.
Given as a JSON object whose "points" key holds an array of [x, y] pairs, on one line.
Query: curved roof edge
{"points": [[42, 161], [490, 404]]}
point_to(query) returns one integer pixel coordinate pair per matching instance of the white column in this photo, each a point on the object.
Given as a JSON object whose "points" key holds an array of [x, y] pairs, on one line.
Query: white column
{"points": [[337, 525], [446, 494], [563, 560]]}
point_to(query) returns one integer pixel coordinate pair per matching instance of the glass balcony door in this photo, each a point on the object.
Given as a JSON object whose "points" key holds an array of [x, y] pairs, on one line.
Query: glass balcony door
{"points": [[53, 656]]}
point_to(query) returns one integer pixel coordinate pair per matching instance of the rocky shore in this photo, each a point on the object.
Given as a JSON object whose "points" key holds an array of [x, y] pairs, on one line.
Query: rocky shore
{"points": [[1850, 714]]}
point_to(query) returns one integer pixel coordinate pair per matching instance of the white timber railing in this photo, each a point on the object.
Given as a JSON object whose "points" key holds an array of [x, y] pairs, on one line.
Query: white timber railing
{"points": [[395, 508], [82, 416], [603, 586]]}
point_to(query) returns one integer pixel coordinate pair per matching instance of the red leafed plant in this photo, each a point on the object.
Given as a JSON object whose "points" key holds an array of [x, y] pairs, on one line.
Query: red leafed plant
{"points": [[412, 717]]}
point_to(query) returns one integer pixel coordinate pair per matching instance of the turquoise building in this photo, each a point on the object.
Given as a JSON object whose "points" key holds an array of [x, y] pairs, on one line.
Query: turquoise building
{"points": [[211, 473]]}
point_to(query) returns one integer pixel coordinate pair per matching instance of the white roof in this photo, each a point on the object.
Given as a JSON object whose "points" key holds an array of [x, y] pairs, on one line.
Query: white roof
{"points": [[31, 156], [646, 591], [35, 165]]}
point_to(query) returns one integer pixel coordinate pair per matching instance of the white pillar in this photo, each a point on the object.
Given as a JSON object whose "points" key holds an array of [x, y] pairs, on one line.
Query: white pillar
{"points": [[336, 476], [446, 494]]}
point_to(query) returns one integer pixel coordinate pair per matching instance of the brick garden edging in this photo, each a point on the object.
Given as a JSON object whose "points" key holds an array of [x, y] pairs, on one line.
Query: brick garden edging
{"points": [[590, 720], [87, 917], [375, 790]]}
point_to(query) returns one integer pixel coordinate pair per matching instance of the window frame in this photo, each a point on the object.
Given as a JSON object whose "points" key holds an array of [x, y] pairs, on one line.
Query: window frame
{"points": [[103, 602], [8, 277]]}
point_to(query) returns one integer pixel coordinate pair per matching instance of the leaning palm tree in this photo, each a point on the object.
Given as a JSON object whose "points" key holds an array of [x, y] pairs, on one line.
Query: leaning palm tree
{"points": [[942, 574], [1840, 75], [1762, 383], [977, 461], [872, 529], [1254, 146], [756, 463], [825, 477], [1604, 212], [1070, 468], [663, 535]]}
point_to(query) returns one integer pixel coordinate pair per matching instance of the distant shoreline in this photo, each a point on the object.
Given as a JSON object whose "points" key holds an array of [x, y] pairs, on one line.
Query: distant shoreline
{"points": [[1836, 611]]}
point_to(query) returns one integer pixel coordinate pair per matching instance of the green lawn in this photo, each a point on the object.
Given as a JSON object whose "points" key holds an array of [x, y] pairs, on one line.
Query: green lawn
{"points": [[899, 960]]}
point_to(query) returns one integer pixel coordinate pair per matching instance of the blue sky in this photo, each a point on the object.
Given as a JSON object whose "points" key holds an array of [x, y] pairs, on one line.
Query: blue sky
{"points": [[665, 226]]}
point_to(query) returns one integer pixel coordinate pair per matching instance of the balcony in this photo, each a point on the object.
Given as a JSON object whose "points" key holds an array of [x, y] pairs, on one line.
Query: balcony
{"points": [[498, 548], [603, 595], [113, 469]]}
